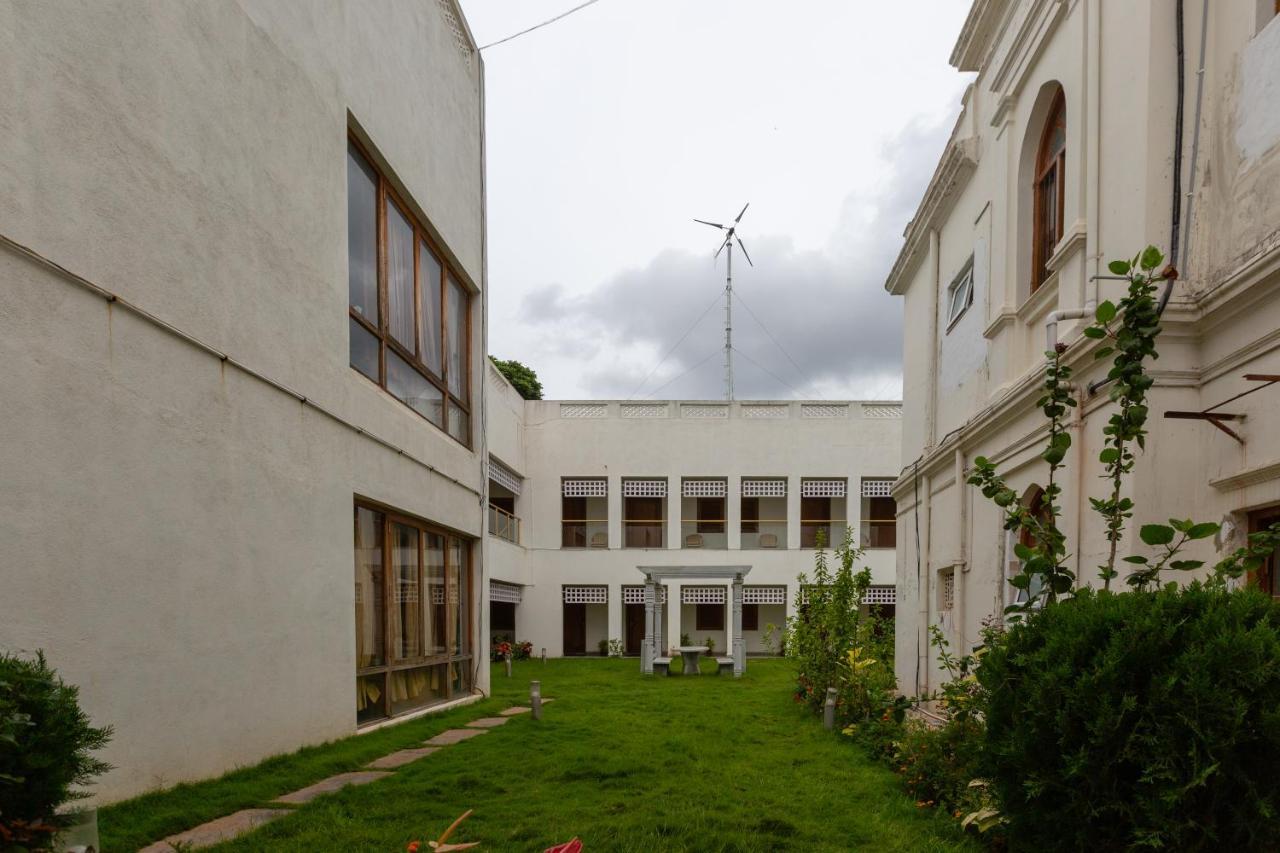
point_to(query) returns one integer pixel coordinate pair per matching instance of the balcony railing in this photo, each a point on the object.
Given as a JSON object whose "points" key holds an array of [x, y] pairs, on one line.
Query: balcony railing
{"points": [[503, 524], [764, 534], [825, 533], [584, 533], [704, 533]]}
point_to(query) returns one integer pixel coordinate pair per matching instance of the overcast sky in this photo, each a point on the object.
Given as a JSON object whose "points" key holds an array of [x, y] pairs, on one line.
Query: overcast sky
{"points": [[610, 130]]}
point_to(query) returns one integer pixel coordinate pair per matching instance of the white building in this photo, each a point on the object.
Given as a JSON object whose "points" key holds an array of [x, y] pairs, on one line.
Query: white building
{"points": [[202, 208], [584, 492], [1065, 157]]}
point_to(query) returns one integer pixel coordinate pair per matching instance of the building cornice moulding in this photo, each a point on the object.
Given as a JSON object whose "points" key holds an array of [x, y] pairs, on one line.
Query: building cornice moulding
{"points": [[1029, 41], [979, 33], [1248, 477], [954, 170]]}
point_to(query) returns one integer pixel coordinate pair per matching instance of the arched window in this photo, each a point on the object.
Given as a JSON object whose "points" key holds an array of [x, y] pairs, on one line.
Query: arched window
{"points": [[1050, 160], [1034, 501]]}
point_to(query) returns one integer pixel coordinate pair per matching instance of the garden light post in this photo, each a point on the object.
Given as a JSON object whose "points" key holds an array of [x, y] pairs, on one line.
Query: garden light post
{"points": [[828, 710], [535, 699], [506, 660]]}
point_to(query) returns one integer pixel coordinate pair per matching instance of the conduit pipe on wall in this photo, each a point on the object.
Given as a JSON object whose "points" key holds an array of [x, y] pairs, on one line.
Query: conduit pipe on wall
{"points": [[960, 572]]}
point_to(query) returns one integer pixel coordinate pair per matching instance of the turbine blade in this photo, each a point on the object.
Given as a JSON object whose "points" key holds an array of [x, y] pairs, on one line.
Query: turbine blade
{"points": [[743, 247], [721, 249], [744, 210], [712, 224]]}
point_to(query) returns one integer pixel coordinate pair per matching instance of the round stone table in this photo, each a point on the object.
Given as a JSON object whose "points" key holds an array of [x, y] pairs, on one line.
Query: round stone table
{"points": [[690, 655]]}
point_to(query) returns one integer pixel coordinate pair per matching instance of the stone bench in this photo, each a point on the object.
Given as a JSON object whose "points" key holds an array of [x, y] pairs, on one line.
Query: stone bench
{"points": [[662, 666], [724, 665]]}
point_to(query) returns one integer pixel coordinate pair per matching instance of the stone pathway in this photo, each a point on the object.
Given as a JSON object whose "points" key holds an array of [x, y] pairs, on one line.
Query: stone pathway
{"points": [[247, 820]]}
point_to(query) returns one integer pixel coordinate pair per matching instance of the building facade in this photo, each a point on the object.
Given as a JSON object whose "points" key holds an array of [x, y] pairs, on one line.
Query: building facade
{"points": [[1090, 130], [582, 493], [242, 259]]}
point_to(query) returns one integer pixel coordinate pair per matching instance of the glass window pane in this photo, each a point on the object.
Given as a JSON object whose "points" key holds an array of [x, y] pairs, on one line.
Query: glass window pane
{"points": [[416, 688], [399, 276], [459, 423], [461, 678], [364, 350], [458, 597], [371, 698], [406, 604], [429, 272], [369, 607], [457, 314], [411, 387], [434, 573], [362, 236]]}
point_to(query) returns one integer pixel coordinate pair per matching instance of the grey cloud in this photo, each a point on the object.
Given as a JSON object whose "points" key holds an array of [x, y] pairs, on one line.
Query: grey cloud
{"points": [[827, 308]]}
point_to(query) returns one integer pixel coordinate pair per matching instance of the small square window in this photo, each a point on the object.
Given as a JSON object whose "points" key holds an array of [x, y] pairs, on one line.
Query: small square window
{"points": [[960, 294]]}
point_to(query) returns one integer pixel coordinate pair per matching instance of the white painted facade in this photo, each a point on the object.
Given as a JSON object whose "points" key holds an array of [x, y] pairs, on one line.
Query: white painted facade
{"points": [[970, 385], [182, 438], [675, 442]]}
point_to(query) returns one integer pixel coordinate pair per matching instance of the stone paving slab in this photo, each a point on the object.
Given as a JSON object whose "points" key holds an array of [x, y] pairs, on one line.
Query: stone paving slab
{"points": [[328, 786], [453, 736], [216, 831], [518, 709], [401, 758], [488, 722]]}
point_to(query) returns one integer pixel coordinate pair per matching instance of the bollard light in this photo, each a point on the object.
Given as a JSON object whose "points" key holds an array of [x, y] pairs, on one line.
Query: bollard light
{"points": [[544, 655], [507, 660], [535, 699], [829, 710]]}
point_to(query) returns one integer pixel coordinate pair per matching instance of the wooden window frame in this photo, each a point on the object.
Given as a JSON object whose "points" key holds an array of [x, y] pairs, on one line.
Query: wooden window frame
{"points": [[751, 617], [389, 663], [1265, 575], [1040, 253], [381, 330]]}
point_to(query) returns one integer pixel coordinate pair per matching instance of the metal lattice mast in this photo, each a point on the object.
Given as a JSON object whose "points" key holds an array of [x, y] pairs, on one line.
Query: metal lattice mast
{"points": [[731, 234]]}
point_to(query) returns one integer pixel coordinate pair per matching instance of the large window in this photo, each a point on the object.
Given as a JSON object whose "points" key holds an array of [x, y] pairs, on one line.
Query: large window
{"points": [[412, 597], [644, 513], [409, 314], [703, 508], [764, 513], [1048, 191], [823, 505], [584, 512], [879, 514]]}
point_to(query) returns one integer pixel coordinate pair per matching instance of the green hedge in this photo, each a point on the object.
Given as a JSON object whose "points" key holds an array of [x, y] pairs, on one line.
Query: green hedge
{"points": [[1139, 720]]}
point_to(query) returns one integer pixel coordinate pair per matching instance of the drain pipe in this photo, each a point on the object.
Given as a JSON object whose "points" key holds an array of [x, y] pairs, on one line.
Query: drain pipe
{"points": [[1051, 324]]}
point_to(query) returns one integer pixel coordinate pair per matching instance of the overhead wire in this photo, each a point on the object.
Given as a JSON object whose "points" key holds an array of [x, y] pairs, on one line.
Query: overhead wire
{"points": [[577, 8], [803, 377], [703, 361], [793, 388], [675, 346]]}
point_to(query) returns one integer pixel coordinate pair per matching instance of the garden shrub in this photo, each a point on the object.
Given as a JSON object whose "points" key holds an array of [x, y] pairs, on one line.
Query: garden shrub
{"points": [[1144, 719], [45, 746]]}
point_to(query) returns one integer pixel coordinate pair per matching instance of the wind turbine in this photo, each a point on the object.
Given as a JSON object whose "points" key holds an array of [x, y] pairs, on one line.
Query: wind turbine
{"points": [[730, 236]]}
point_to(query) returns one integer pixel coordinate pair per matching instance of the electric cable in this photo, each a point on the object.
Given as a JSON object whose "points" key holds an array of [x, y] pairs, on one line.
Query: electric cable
{"points": [[538, 26], [675, 346]]}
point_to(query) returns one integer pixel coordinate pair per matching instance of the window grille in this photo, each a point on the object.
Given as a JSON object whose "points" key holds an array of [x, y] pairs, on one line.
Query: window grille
{"points": [[406, 592], [437, 594], [880, 410], [584, 410], [593, 488], [687, 411], [644, 410], [764, 488], [881, 595], [750, 410], [644, 488], [877, 488], [947, 590], [764, 595], [705, 488], [702, 595], [586, 595], [455, 24], [635, 595], [505, 592], [824, 410], [822, 488], [504, 476]]}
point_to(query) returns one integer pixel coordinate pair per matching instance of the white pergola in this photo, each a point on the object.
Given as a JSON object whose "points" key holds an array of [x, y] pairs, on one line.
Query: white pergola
{"points": [[654, 575]]}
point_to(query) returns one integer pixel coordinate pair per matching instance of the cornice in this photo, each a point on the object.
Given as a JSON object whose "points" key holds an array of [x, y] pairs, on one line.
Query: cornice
{"points": [[978, 35], [1248, 477], [1028, 41], [950, 177]]}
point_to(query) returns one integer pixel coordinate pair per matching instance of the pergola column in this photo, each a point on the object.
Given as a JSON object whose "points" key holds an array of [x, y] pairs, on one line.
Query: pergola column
{"points": [[659, 632], [739, 645], [646, 648]]}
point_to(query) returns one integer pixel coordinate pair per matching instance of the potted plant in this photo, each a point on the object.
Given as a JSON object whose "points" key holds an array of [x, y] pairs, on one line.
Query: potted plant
{"points": [[615, 648], [684, 640], [603, 646], [711, 647], [46, 742]]}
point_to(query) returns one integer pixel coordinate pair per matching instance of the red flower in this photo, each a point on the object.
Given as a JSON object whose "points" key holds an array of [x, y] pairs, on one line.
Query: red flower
{"points": [[413, 846]]}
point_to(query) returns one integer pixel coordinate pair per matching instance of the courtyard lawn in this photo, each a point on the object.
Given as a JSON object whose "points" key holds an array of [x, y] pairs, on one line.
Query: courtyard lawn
{"points": [[622, 761]]}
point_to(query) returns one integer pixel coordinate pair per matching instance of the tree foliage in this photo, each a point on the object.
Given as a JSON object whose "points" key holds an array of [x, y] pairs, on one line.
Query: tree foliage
{"points": [[521, 376]]}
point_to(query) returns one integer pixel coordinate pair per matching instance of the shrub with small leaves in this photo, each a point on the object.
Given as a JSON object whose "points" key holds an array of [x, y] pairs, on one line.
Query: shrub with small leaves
{"points": [[46, 742]]}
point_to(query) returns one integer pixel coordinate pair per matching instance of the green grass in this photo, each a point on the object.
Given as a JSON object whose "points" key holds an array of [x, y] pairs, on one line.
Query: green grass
{"points": [[622, 761]]}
